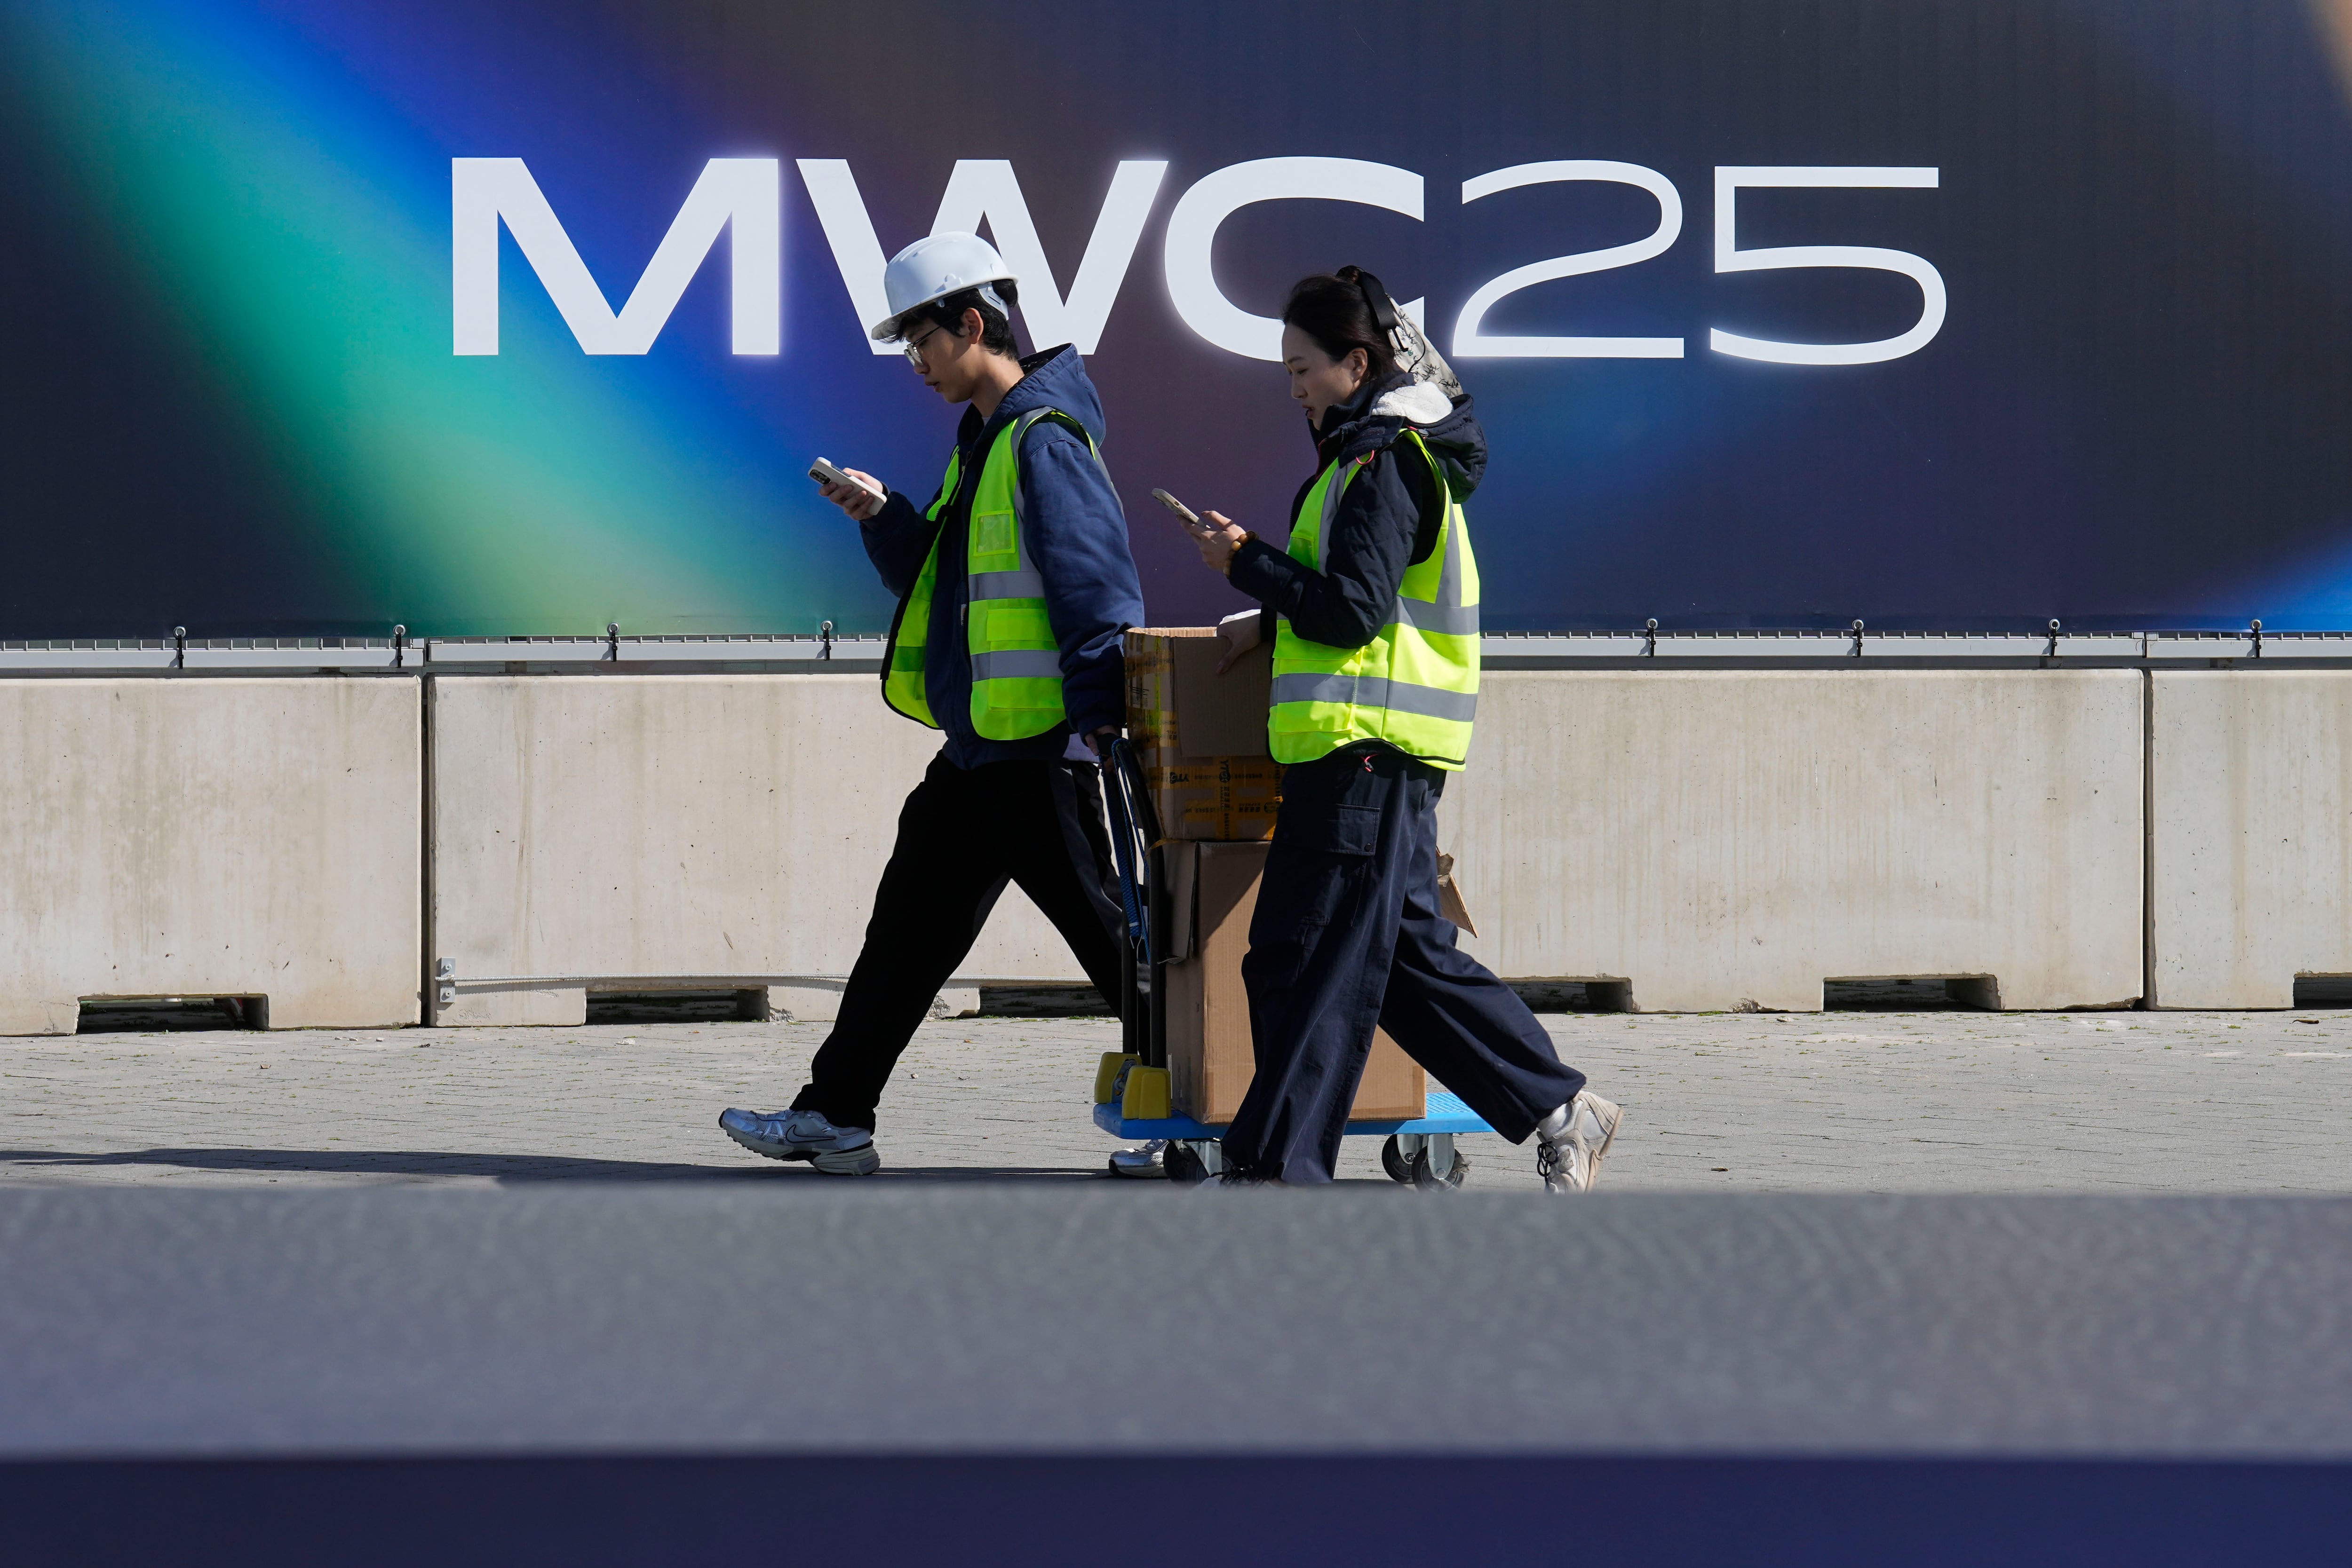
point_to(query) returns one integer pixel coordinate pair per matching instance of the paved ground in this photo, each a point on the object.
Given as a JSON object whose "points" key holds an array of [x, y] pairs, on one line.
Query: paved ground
{"points": [[1876, 1101]]}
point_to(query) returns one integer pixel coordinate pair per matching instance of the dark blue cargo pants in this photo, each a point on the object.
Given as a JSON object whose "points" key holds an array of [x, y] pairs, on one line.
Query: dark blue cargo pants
{"points": [[1346, 935]]}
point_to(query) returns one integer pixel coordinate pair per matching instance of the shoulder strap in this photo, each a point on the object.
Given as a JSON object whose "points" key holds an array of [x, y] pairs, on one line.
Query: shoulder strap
{"points": [[1436, 468], [1028, 421], [1441, 494]]}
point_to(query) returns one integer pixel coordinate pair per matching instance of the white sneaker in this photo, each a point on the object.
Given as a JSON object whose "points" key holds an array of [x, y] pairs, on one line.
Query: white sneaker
{"points": [[805, 1135], [1143, 1160], [1572, 1140]]}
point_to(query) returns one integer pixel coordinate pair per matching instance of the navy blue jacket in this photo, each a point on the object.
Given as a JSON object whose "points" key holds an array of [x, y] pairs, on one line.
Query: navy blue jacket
{"points": [[1387, 520], [1077, 535]]}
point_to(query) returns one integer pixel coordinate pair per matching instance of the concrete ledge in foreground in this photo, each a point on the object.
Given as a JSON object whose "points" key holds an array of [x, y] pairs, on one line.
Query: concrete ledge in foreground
{"points": [[977, 1321]]}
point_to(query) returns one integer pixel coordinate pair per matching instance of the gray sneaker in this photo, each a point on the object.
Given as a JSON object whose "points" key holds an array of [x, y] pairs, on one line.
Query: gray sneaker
{"points": [[805, 1135], [1572, 1140], [1148, 1161]]}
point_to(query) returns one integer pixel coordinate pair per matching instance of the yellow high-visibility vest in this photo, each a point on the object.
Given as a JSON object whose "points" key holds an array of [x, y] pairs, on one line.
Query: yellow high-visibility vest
{"points": [[1016, 663], [1415, 685]]}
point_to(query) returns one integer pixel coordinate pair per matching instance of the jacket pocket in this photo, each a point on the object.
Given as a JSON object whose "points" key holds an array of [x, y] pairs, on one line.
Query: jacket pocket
{"points": [[992, 535], [1021, 626]]}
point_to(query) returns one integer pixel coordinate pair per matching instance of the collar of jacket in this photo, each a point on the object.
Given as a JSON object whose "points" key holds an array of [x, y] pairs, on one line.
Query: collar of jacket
{"points": [[1381, 411], [1019, 398], [1373, 418]]}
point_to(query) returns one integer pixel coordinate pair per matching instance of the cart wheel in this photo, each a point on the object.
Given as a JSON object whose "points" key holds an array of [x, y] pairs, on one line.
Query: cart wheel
{"points": [[1392, 1161], [1185, 1167], [1427, 1180]]}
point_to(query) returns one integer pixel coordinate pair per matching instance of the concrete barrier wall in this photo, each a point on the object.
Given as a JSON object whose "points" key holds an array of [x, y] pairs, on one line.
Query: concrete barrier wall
{"points": [[2250, 847], [673, 825], [1714, 838], [1707, 838], [215, 837], [1721, 840]]}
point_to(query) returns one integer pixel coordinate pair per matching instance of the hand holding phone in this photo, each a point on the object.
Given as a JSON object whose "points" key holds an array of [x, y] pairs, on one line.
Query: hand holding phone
{"points": [[1215, 533], [1176, 507], [856, 494]]}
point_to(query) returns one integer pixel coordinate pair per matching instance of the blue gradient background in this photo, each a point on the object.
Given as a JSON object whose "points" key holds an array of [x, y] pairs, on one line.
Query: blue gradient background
{"points": [[231, 403]]}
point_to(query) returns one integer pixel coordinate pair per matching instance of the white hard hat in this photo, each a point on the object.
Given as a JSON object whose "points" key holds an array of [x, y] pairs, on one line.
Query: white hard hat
{"points": [[934, 268]]}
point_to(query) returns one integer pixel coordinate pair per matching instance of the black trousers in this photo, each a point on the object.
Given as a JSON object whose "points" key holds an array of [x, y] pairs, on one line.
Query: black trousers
{"points": [[963, 835], [1346, 936]]}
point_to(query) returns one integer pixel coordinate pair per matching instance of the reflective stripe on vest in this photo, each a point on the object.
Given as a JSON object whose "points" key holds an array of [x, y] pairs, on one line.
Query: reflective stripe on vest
{"points": [[1016, 662], [1415, 684]]}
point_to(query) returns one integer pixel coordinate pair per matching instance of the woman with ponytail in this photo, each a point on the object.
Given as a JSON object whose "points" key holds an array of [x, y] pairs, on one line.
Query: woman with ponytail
{"points": [[1372, 607]]}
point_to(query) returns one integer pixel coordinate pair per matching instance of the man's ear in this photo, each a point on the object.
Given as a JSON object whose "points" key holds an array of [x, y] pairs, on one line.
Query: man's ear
{"points": [[974, 326]]}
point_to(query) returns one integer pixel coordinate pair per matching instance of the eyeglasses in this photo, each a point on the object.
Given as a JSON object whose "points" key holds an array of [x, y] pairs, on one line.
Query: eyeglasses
{"points": [[913, 348]]}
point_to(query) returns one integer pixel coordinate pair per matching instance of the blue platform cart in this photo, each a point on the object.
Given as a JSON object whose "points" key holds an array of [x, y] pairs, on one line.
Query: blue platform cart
{"points": [[1418, 1151]]}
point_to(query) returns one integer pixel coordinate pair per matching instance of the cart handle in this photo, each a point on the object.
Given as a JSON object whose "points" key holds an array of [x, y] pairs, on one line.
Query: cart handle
{"points": [[1116, 795]]}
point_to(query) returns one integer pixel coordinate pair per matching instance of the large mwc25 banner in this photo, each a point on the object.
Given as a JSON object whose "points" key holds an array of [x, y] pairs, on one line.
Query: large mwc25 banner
{"points": [[527, 316]]}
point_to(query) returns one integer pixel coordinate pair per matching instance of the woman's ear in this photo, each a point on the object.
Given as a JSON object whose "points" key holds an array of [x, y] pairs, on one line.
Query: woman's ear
{"points": [[1359, 365]]}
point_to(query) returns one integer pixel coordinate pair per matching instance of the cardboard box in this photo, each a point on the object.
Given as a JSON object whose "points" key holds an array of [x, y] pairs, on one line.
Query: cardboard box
{"points": [[1210, 1059], [1199, 735]]}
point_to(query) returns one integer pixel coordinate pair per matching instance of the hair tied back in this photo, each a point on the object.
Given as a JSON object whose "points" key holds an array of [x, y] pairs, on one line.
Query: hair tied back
{"points": [[1415, 354], [1376, 297]]}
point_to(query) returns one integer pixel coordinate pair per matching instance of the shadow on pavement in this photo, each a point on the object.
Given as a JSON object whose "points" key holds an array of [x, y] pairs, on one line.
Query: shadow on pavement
{"points": [[428, 1164]]}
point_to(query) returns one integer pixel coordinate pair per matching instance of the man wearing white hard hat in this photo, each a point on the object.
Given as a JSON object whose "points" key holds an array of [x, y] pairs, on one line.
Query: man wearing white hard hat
{"points": [[1014, 587]]}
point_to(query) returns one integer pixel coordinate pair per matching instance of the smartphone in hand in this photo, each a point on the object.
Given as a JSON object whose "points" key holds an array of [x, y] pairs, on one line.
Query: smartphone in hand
{"points": [[1190, 520], [824, 473]]}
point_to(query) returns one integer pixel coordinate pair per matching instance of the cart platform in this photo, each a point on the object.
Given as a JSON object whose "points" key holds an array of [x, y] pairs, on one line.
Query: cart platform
{"points": [[1442, 1113]]}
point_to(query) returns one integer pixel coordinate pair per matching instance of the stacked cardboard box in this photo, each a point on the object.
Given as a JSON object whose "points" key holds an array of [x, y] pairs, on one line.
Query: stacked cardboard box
{"points": [[1211, 1059], [1201, 737]]}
